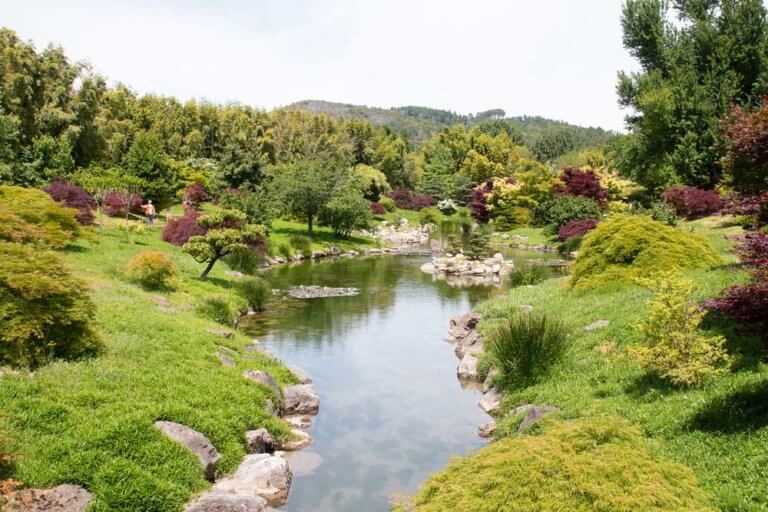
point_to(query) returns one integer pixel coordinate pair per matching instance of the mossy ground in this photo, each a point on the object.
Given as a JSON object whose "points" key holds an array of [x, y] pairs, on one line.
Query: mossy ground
{"points": [[719, 430], [90, 422]]}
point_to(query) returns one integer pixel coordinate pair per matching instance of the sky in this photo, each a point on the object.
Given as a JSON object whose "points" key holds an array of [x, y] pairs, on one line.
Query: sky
{"points": [[554, 58]]}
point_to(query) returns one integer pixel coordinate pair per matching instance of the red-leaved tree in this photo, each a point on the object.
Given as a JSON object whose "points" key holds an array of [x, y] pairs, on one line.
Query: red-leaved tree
{"points": [[576, 228], [583, 183], [72, 196], [693, 202], [179, 230], [745, 133], [478, 206]]}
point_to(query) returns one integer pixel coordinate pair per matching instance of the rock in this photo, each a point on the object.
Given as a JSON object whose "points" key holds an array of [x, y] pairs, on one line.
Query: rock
{"points": [[159, 299], [526, 308], [599, 324], [220, 333], [374, 251], [262, 377], [491, 401], [428, 268], [195, 442], [298, 421], [300, 399], [304, 377], [218, 501], [260, 474], [299, 441], [225, 359], [472, 343], [486, 430], [533, 413], [317, 255], [316, 292], [269, 406], [498, 257], [462, 325], [62, 498], [488, 382], [467, 369], [234, 274], [259, 441], [298, 256], [257, 348]]}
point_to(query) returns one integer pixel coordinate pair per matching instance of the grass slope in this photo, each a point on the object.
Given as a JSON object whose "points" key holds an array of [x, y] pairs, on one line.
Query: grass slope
{"points": [[90, 422]]}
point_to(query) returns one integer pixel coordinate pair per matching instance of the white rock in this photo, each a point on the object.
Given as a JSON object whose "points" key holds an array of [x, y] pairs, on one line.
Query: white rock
{"points": [[262, 475], [491, 401], [300, 399]]}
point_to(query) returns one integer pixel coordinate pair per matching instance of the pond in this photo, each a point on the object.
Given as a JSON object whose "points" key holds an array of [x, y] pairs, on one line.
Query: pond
{"points": [[391, 408]]}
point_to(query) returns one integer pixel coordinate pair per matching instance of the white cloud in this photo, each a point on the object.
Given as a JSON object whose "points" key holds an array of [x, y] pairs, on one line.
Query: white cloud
{"points": [[556, 58]]}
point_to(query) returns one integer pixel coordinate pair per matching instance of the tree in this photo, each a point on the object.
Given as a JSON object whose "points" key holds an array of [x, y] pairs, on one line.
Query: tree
{"points": [[345, 212], [147, 161], [746, 160], [304, 187], [227, 233]]}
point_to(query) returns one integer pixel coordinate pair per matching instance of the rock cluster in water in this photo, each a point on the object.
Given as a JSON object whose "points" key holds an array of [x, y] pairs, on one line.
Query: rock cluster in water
{"points": [[400, 234], [315, 292], [462, 266]]}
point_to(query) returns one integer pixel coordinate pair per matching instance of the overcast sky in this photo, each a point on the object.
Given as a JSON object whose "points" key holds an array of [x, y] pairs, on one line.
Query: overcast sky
{"points": [[555, 58]]}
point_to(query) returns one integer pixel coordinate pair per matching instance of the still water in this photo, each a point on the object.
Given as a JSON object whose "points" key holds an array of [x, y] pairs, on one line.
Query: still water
{"points": [[391, 408]]}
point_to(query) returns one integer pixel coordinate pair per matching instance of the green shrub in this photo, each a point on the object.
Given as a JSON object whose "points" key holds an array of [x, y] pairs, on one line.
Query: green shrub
{"points": [[659, 211], [246, 261], [32, 216], [429, 216], [152, 269], [302, 243], [255, 291], [217, 309], [388, 204], [672, 346], [525, 346], [478, 245], [45, 313], [560, 210], [629, 246], [345, 212], [532, 274], [597, 464], [285, 250]]}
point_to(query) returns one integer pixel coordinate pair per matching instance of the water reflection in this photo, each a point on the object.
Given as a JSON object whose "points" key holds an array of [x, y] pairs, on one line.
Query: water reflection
{"points": [[392, 410]]}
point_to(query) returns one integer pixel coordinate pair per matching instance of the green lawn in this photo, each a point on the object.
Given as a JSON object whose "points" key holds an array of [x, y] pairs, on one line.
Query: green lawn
{"points": [[282, 230], [90, 422]]}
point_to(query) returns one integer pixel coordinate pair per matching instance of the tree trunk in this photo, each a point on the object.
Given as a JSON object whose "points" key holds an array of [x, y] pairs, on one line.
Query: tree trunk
{"points": [[310, 220], [208, 268]]}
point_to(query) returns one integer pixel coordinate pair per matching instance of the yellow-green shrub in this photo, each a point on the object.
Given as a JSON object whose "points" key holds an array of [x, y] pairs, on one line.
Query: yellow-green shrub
{"points": [[32, 216], [588, 465], [45, 313], [153, 269], [673, 347], [626, 247]]}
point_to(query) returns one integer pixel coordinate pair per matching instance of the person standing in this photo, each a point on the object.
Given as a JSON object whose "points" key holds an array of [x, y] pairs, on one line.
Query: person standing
{"points": [[149, 212]]}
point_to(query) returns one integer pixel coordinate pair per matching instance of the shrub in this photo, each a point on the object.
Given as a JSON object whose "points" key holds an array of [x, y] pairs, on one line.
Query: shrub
{"points": [[246, 261], [402, 198], [285, 250], [217, 309], [526, 346], [117, 204], [583, 183], [447, 207], [196, 194], [421, 201], [255, 291], [600, 463], [45, 313], [152, 269], [479, 244], [32, 216], [692, 202], [71, 196], [531, 274], [388, 204], [378, 209], [571, 244], [753, 207], [563, 209], [178, 231], [746, 161], [302, 243], [672, 346], [576, 228], [478, 205], [346, 212], [429, 216], [629, 246]]}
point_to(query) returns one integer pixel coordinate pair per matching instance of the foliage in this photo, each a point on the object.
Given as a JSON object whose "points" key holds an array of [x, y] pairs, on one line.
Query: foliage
{"points": [[659, 210], [258, 203], [255, 291], [691, 202], [629, 246], [560, 210], [447, 207], [388, 204], [754, 207], [302, 243], [746, 160], [429, 216], [402, 198], [478, 245], [196, 194], [577, 182], [227, 233], [694, 63], [32, 216], [120, 203], [511, 201], [526, 346], [45, 313], [672, 346], [216, 308], [747, 304], [377, 209], [346, 211], [285, 250], [478, 206], [370, 181], [247, 261], [581, 465], [152, 269], [576, 228], [304, 188], [71, 196], [179, 230], [531, 274], [421, 201]]}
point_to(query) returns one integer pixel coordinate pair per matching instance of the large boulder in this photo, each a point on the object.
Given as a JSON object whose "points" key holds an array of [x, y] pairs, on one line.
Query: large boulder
{"points": [[462, 325], [62, 498], [259, 441], [491, 401], [599, 324], [217, 501], [262, 377], [300, 399], [195, 442], [467, 369], [261, 474]]}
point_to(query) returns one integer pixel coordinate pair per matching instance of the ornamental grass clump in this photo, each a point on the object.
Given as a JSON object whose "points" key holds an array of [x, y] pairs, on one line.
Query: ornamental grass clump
{"points": [[531, 274], [153, 269], [217, 309], [526, 346], [303, 244], [673, 348], [255, 291], [626, 247]]}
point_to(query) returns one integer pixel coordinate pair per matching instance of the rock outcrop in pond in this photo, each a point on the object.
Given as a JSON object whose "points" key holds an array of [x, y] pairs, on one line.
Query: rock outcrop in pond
{"points": [[463, 266], [316, 292]]}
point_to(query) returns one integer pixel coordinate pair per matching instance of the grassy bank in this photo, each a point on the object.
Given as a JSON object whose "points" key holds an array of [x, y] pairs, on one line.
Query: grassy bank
{"points": [[718, 430], [90, 422]]}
